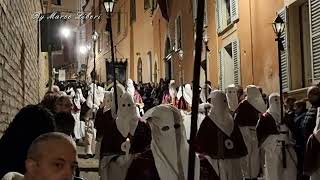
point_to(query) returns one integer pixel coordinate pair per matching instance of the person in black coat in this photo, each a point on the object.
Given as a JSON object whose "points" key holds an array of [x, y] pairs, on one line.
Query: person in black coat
{"points": [[31, 122]]}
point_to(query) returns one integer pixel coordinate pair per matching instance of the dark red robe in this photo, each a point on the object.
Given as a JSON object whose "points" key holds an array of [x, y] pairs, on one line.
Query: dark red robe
{"points": [[113, 139], [143, 168], [312, 156], [266, 126], [246, 114], [213, 142]]}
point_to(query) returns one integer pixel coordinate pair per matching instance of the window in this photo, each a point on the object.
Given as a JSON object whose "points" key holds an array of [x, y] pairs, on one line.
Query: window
{"points": [[155, 72], [178, 33], [119, 22], [56, 2], [229, 65], [300, 63], [150, 65], [146, 4], [315, 39], [132, 11], [139, 70], [227, 13]]}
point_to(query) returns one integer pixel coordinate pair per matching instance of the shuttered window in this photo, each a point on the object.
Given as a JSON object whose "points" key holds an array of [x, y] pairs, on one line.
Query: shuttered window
{"points": [[315, 38], [234, 10], [218, 15], [227, 13], [284, 54], [229, 65], [236, 62]]}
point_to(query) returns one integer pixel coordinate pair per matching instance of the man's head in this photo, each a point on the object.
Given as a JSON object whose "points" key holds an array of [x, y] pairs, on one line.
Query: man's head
{"points": [[314, 95], [64, 122], [49, 100], [289, 103], [51, 156], [63, 104], [300, 107]]}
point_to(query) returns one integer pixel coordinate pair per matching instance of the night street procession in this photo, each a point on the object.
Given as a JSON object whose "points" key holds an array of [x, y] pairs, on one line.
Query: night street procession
{"points": [[159, 90]]}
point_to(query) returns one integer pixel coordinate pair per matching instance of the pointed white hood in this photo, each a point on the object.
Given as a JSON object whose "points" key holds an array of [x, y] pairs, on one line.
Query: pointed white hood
{"points": [[220, 112], [172, 89], [120, 92], [232, 97], [78, 98], [203, 93], [254, 97], [127, 119], [107, 101], [130, 87], [274, 108], [169, 144], [187, 93]]}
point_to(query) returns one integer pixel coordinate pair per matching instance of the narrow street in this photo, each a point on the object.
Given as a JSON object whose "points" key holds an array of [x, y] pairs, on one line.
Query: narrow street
{"points": [[160, 89]]}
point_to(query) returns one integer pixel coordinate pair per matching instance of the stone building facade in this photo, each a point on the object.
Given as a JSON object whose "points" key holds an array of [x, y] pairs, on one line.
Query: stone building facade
{"points": [[19, 58]]}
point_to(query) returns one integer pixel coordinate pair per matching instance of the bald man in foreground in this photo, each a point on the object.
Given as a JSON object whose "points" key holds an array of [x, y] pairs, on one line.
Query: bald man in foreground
{"points": [[51, 156]]}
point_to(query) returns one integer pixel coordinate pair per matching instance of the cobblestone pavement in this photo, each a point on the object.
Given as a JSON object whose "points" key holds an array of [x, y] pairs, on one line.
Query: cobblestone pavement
{"points": [[88, 167]]}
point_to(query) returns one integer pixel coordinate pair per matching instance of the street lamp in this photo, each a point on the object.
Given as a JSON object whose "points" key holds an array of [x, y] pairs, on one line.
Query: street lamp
{"points": [[65, 31], [83, 50], [109, 4], [279, 27]]}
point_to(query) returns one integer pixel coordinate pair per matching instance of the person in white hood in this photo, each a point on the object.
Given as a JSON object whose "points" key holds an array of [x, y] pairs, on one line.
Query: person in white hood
{"points": [[125, 136], [273, 138], [205, 93], [247, 116], [78, 99], [90, 132], [168, 157], [232, 97], [224, 155], [184, 96], [170, 94], [136, 97]]}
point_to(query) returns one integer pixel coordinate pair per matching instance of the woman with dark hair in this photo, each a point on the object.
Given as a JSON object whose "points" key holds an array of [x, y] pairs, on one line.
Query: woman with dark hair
{"points": [[31, 122], [49, 101]]}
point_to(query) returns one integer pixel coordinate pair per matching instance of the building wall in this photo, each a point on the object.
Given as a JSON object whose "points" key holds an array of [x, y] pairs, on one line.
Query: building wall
{"points": [[184, 9], [19, 61], [70, 46], [142, 41], [264, 46], [212, 44], [258, 49], [160, 34]]}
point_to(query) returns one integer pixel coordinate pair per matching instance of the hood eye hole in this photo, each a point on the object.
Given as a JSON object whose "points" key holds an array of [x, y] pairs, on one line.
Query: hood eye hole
{"points": [[123, 105], [176, 126], [129, 105], [165, 128]]}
